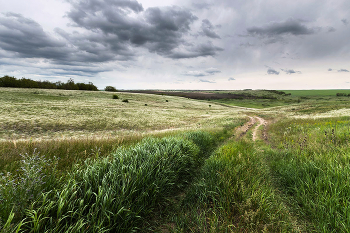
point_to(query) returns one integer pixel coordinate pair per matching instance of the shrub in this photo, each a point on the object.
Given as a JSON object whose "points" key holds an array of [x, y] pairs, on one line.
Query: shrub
{"points": [[110, 88], [341, 94], [125, 101], [115, 97]]}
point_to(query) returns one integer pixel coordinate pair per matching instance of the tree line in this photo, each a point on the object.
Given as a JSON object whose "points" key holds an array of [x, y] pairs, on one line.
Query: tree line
{"points": [[8, 81]]}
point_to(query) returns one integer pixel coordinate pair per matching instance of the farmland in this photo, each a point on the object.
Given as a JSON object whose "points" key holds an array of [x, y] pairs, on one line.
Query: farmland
{"points": [[82, 161]]}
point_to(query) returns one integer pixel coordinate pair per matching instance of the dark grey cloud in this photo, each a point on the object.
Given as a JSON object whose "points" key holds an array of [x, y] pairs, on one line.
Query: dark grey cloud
{"points": [[272, 71], [193, 51], [288, 27], [161, 30], [201, 73], [212, 71], [291, 71], [109, 30], [206, 81], [343, 70], [208, 29], [345, 21], [231, 79], [330, 69], [27, 39]]}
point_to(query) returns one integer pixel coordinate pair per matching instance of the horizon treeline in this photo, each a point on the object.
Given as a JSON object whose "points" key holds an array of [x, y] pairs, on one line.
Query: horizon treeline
{"points": [[8, 81]]}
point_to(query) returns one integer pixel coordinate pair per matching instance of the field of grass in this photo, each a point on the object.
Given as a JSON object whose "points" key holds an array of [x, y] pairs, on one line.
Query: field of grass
{"points": [[75, 161], [317, 92]]}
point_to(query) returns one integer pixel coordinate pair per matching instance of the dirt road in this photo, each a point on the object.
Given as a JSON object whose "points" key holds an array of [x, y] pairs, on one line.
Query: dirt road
{"points": [[256, 122]]}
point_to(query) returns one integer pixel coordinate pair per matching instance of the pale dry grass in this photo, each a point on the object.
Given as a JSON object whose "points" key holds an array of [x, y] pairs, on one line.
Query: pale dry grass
{"points": [[59, 114]]}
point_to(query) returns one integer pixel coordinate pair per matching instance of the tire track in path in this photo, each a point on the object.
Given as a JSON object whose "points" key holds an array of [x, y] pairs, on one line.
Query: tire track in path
{"points": [[242, 131], [261, 122]]}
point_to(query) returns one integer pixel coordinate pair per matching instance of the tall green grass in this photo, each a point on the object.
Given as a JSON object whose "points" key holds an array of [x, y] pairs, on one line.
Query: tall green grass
{"points": [[233, 193], [312, 167], [119, 192]]}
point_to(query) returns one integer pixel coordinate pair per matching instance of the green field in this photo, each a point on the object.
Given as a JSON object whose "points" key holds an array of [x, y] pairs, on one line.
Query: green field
{"points": [[81, 161], [317, 92]]}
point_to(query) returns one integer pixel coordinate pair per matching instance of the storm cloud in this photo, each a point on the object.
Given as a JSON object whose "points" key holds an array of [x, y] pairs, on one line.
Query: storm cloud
{"points": [[27, 38], [208, 29], [272, 71], [161, 30], [150, 43], [288, 27], [112, 31]]}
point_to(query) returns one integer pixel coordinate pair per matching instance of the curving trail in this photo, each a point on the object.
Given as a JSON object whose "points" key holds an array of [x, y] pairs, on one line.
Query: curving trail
{"points": [[255, 131], [242, 131]]}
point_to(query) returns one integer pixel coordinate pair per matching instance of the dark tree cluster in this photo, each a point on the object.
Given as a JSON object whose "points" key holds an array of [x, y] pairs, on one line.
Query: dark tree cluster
{"points": [[8, 81], [342, 94]]}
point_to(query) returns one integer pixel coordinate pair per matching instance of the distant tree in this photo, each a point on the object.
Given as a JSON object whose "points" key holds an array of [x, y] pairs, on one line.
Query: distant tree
{"points": [[8, 81], [341, 94], [70, 85], [110, 88]]}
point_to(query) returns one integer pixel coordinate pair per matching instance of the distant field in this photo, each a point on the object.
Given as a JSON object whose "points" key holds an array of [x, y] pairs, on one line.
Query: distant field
{"points": [[317, 92], [46, 114]]}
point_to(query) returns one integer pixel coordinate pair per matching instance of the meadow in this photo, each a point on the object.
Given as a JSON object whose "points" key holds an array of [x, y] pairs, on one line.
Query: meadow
{"points": [[82, 161]]}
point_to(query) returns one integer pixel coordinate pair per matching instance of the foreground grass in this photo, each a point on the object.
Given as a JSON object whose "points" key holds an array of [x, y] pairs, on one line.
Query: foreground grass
{"points": [[233, 193], [311, 165], [112, 194], [118, 192]]}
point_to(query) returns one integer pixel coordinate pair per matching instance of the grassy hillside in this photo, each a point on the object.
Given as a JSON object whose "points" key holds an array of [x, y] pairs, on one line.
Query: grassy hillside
{"points": [[74, 161]]}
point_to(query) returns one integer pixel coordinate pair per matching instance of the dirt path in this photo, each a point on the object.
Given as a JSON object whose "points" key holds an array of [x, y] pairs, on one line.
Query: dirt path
{"points": [[255, 131], [242, 131]]}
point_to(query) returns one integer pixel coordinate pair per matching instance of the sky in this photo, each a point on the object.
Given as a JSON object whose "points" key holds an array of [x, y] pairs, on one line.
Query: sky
{"points": [[179, 44]]}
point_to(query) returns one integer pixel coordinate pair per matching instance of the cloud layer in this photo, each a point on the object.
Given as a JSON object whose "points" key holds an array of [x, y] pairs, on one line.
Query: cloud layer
{"points": [[108, 31], [142, 44]]}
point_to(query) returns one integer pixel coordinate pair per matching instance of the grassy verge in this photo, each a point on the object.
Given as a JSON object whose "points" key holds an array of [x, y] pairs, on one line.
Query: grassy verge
{"points": [[233, 193], [311, 164], [116, 193]]}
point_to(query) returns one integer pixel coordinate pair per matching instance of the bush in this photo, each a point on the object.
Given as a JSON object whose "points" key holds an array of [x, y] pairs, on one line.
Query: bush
{"points": [[341, 94], [125, 101], [110, 88], [115, 97]]}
